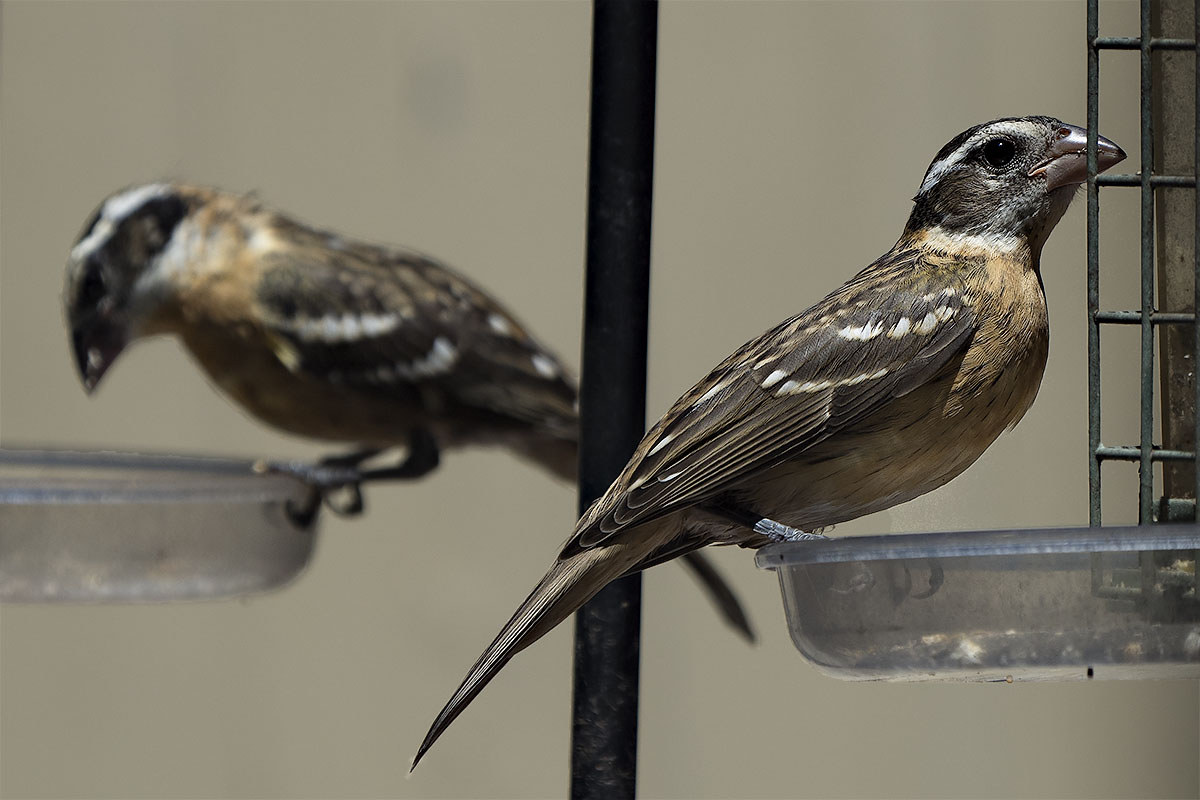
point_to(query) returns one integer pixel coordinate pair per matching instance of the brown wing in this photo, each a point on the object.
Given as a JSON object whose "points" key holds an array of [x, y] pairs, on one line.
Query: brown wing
{"points": [[795, 385], [387, 321]]}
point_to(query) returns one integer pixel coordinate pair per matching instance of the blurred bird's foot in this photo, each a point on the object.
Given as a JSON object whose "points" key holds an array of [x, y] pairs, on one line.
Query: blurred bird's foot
{"points": [[778, 532], [337, 481], [333, 481]]}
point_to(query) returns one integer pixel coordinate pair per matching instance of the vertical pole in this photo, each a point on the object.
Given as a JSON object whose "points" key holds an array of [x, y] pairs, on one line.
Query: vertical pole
{"points": [[613, 385]]}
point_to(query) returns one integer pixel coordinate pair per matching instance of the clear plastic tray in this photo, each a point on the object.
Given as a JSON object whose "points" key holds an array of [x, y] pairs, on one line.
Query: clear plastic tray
{"points": [[117, 527], [996, 605]]}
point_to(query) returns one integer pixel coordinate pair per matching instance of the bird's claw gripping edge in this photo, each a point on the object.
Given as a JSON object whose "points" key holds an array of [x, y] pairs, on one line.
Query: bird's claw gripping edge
{"points": [[329, 481], [337, 481], [778, 532], [775, 531]]}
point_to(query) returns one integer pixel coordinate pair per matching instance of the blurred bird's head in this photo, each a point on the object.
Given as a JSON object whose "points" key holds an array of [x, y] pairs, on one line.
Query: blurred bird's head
{"points": [[1007, 181], [115, 281]]}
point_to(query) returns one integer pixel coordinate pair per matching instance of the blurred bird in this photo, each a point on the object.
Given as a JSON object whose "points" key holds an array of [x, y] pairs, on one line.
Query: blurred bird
{"points": [[886, 389], [325, 337]]}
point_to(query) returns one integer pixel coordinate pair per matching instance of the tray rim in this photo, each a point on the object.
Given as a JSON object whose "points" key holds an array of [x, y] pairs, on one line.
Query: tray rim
{"points": [[960, 544]]}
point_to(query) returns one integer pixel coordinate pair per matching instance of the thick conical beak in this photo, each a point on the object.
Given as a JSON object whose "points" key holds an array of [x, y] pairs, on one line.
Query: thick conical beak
{"points": [[1066, 161], [96, 343]]}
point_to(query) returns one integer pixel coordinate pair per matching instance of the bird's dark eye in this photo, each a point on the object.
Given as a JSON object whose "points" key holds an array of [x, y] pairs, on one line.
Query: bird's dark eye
{"points": [[92, 289], [999, 153]]}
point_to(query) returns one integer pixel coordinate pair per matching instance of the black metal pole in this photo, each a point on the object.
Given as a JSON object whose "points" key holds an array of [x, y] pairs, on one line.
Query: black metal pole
{"points": [[613, 385]]}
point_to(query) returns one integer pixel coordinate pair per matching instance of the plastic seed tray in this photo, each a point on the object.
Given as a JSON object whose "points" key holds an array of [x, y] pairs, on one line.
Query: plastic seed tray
{"points": [[996, 605], [114, 527]]}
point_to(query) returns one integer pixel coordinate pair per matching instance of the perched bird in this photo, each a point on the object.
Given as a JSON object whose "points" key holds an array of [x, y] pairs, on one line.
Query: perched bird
{"points": [[886, 389], [323, 336]]}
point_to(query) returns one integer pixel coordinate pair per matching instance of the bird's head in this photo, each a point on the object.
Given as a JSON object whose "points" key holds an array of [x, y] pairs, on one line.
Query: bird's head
{"points": [[1008, 181], [115, 273]]}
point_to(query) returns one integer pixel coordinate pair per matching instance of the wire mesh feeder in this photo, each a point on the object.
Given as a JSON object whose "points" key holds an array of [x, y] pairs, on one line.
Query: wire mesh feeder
{"points": [[1066, 603]]}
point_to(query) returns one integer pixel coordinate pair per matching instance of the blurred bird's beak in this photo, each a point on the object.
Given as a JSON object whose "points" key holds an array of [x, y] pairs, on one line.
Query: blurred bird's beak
{"points": [[1066, 163], [96, 342]]}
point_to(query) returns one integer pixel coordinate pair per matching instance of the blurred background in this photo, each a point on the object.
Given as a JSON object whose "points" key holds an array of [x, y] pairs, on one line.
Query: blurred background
{"points": [[791, 136]]}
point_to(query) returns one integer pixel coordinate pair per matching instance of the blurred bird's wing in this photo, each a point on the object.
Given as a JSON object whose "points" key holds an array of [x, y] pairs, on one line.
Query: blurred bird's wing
{"points": [[889, 330], [410, 330], [384, 321]]}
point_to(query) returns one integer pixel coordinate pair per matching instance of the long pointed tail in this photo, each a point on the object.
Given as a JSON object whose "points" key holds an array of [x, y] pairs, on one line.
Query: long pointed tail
{"points": [[560, 457], [721, 593], [567, 586]]}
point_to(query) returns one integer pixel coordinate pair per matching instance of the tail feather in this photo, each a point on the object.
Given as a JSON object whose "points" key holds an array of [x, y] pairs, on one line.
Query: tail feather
{"points": [[721, 594], [567, 586], [557, 455], [560, 456]]}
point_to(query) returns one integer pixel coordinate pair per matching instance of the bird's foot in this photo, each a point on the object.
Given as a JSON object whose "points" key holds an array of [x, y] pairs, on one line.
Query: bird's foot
{"points": [[337, 481], [331, 481], [778, 532], [775, 531]]}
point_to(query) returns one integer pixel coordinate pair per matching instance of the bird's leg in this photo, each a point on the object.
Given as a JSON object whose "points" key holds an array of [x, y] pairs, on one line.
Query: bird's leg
{"points": [[422, 458], [775, 531], [344, 474]]}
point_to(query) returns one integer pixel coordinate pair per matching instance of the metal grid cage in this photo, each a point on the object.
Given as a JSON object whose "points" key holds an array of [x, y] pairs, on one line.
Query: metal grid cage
{"points": [[1170, 139]]}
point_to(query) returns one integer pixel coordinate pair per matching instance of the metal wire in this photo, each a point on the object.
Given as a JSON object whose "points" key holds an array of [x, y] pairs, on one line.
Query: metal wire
{"points": [[1093, 261], [1196, 253], [1147, 317], [1146, 469]]}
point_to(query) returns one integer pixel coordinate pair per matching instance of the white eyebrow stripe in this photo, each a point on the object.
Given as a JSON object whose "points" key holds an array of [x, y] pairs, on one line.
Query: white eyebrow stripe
{"points": [[115, 208], [122, 205], [941, 168], [1013, 127], [93, 241]]}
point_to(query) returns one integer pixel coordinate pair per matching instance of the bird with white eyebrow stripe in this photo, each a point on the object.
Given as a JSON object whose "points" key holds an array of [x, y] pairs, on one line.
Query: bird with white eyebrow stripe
{"points": [[325, 337], [886, 389]]}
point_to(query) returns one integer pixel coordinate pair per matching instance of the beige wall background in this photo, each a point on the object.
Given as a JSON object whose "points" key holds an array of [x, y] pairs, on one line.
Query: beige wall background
{"points": [[791, 136]]}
